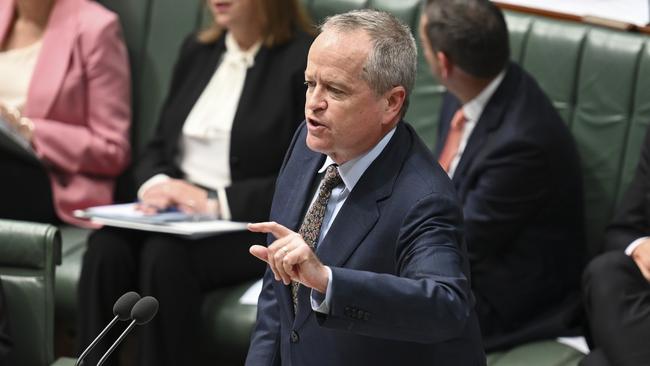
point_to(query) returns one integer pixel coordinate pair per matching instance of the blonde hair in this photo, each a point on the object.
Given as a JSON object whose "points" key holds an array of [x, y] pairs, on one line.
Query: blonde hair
{"points": [[280, 19]]}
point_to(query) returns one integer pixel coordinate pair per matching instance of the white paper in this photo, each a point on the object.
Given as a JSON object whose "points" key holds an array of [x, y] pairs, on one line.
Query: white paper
{"points": [[125, 216], [128, 211], [628, 11], [577, 343], [252, 294]]}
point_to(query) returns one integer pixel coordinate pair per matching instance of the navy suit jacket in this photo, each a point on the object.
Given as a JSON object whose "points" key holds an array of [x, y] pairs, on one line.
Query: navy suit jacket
{"points": [[400, 291], [519, 181]]}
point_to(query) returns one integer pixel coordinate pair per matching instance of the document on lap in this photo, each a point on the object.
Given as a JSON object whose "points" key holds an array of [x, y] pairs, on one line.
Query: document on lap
{"points": [[170, 221], [12, 142]]}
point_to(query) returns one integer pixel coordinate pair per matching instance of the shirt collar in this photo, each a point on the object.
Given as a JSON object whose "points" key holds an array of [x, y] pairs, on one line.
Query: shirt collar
{"points": [[235, 52], [352, 170], [474, 108]]}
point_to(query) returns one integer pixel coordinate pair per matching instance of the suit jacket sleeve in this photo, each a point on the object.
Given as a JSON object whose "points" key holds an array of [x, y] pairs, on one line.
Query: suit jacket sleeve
{"points": [[428, 300], [632, 219], [510, 190], [101, 144]]}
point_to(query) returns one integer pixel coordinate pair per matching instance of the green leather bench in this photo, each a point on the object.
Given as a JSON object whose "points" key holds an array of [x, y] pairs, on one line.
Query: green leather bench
{"points": [[594, 76], [28, 254]]}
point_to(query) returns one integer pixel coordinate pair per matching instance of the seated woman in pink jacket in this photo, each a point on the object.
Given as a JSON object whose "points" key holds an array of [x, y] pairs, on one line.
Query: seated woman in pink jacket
{"points": [[65, 89]]}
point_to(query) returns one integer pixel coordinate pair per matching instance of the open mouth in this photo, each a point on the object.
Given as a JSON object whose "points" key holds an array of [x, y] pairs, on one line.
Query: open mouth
{"points": [[221, 6], [314, 123]]}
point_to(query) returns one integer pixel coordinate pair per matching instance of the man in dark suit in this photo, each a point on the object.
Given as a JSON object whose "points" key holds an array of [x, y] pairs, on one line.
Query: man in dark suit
{"points": [[366, 262], [616, 284], [516, 170]]}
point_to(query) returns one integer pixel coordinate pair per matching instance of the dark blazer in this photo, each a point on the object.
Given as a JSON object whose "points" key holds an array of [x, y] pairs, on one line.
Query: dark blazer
{"points": [[632, 219], [270, 108], [519, 182], [400, 288]]}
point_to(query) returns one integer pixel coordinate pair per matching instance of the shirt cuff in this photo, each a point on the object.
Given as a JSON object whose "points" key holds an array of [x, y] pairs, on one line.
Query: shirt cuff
{"points": [[630, 248], [158, 178], [224, 208], [321, 302]]}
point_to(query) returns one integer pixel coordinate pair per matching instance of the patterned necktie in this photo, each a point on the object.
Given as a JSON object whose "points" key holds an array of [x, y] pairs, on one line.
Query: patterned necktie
{"points": [[452, 143], [311, 224]]}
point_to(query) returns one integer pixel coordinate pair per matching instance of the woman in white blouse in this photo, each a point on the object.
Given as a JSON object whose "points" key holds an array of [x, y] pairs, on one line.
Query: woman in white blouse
{"points": [[236, 97]]}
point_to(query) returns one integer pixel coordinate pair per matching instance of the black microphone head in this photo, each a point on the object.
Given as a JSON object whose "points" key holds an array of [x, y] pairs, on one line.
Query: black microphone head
{"points": [[144, 310], [123, 305]]}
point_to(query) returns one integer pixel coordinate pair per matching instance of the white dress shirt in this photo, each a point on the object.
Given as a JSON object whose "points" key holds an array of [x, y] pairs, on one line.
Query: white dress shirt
{"points": [[205, 143], [630, 248], [350, 173], [473, 111]]}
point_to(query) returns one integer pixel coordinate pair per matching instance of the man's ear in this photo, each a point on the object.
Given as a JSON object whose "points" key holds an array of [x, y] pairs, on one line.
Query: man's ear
{"points": [[444, 64], [395, 99]]}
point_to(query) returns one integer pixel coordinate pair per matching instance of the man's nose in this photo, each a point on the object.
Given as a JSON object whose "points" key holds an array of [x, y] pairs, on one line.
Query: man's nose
{"points": [[316, 101]]}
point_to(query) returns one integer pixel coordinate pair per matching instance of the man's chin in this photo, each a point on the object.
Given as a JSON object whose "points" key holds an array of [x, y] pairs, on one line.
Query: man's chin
{"points": [[316, 144]]}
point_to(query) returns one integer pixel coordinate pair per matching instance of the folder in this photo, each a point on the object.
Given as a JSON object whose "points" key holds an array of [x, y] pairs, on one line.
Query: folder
{"points": [[171, 221]]}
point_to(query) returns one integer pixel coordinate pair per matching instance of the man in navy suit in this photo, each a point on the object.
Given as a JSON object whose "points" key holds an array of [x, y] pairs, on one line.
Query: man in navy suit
{"points": [[516, 170], [366, 258]]}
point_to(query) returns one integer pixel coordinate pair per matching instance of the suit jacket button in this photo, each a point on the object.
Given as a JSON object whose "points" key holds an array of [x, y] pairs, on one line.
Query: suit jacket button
{"points": [[294, 337]]}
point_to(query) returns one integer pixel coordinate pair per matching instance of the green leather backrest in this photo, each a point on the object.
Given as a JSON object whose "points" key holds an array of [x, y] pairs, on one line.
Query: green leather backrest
{"points": [[598, 80], [551, 55], [640, 119], [28, 254], [134, 17], [154, 31], [603, 110]]}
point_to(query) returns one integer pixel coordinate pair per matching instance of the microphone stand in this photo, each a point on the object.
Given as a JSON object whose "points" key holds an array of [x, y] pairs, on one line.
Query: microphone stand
{"points": [[116, 343], [94, 342]]}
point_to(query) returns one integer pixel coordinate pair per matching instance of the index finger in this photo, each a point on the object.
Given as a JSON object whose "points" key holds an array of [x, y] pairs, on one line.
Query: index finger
{"points": [[274, 228]]}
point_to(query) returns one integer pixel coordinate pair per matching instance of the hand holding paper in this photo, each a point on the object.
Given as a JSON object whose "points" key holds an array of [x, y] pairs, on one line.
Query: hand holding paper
{"points": [[21, 125], [178, 193]]}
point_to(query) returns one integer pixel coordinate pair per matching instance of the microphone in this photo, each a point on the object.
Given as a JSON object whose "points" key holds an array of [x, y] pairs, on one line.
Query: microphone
{"points": [[122, 311], [143, 311]]}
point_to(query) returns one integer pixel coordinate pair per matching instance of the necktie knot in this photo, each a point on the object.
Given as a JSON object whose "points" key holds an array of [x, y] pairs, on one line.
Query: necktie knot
{"points": [[332, 177], [458, 122]]}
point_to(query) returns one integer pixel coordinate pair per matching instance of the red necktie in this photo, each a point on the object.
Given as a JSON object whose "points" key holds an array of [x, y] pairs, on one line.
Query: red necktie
{"points": [[452, 142]]}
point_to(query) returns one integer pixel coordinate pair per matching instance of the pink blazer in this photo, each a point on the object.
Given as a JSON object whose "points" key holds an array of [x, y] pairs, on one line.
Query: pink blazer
{"points": [[80, 101]]}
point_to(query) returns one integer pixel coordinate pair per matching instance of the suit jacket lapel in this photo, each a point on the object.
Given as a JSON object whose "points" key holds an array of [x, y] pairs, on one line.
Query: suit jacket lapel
{"points": [[489, 121], [360, 211], [201, 73], [54, 58]]}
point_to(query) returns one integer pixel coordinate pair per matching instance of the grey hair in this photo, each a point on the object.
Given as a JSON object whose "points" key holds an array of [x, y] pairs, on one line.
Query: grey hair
{"points": [[393, 59]]}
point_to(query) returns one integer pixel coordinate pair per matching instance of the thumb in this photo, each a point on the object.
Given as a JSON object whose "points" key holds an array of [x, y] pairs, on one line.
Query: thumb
{"points": [[260, 252]]}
